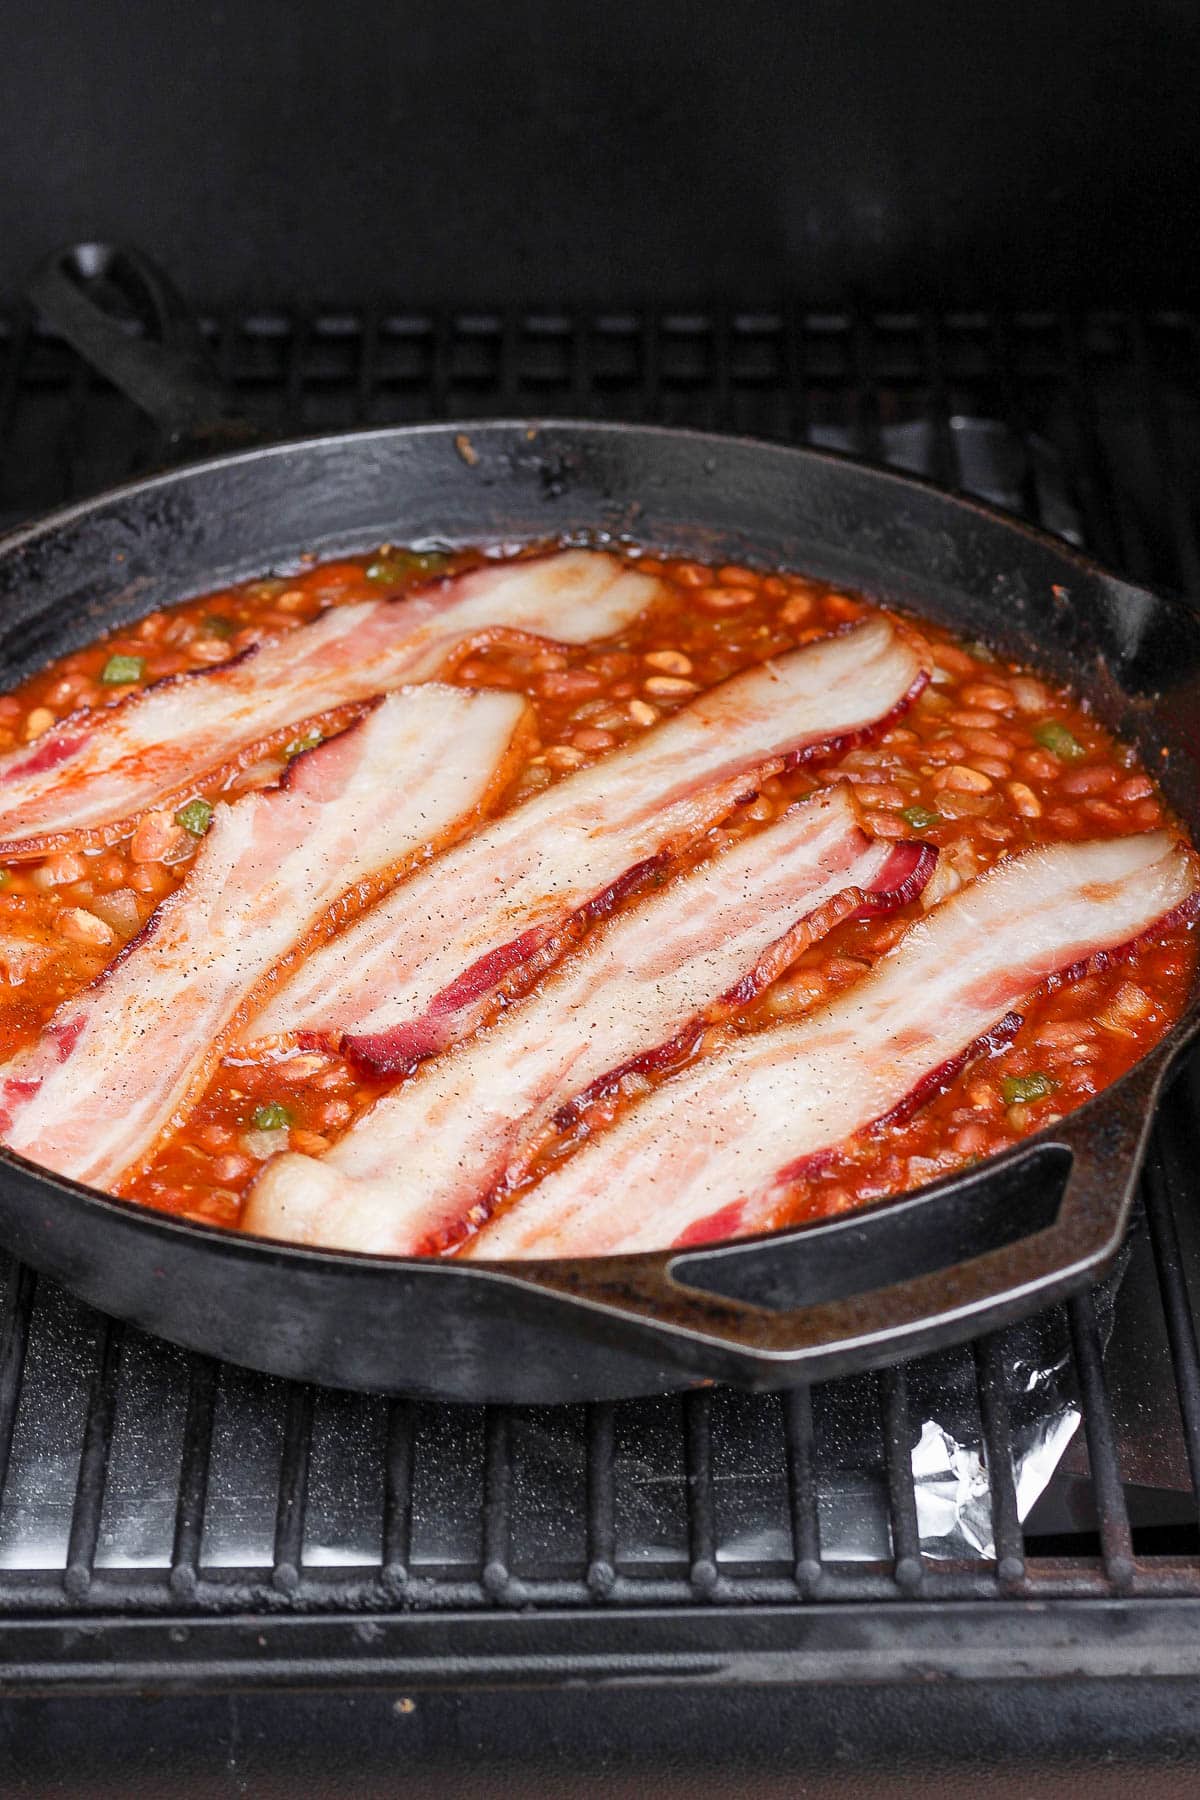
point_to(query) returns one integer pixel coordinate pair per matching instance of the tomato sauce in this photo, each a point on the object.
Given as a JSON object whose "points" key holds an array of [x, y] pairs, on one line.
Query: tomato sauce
{"points": [[991, 760]]}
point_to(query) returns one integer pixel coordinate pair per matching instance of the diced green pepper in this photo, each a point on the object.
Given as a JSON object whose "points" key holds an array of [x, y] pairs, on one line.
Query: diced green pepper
{"points": [[982, 651], [120, 671], [213, 626], [272, 1117], [1020, 1089], [299, 745], [1059, 741], [400, 565], [195, 817], [920, 818]]}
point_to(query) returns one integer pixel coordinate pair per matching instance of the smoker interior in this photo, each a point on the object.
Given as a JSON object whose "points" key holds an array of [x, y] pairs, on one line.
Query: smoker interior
{"points": [[168, 1523]]}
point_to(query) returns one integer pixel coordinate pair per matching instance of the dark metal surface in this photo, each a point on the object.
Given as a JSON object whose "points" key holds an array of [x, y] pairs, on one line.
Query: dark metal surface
{"points": [[1121, 1739], [616, 153], [597, 1517]]}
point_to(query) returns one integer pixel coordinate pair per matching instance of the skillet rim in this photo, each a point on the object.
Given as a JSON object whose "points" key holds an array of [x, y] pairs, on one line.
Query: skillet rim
{"points": [[531, 425]]}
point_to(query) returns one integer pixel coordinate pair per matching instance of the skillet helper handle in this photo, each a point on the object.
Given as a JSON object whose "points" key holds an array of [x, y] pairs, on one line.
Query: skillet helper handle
{"points": [[966, 1256], [126, 318]]}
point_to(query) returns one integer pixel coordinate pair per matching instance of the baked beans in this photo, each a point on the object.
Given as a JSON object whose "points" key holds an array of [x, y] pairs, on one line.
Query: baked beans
{"points": [[991, 760]]}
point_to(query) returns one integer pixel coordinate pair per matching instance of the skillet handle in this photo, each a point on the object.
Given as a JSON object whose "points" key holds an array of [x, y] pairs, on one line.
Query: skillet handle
{"points": [[125, 317], [961, 1257]]}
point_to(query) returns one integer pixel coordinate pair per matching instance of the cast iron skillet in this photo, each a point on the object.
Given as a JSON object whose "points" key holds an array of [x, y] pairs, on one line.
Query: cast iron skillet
{"points": [[939, 1265]]}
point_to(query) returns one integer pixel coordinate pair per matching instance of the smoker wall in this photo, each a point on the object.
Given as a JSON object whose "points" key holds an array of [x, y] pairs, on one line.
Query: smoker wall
{"points": [[383, 148]]}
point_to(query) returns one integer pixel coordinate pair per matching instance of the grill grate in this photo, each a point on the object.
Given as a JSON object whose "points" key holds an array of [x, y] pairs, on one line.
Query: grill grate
{"points": [[138, 1484]]}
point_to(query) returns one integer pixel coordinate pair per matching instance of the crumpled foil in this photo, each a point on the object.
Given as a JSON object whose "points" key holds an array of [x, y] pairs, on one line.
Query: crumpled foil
{"points": [[954, 1513]]}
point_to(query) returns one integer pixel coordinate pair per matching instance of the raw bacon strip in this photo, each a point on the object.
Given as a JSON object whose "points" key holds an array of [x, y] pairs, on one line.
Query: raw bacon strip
{"points": [[710, 1154], [428, 1156], [89, 777], [118, 1063], [420, 971]]}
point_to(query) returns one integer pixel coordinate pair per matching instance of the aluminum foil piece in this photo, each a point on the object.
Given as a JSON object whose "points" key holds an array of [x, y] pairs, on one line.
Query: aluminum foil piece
{"points": [[954, 1505]]}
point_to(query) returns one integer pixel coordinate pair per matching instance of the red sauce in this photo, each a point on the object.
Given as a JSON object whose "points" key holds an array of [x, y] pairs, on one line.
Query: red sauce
{"points": [[990, 760]]}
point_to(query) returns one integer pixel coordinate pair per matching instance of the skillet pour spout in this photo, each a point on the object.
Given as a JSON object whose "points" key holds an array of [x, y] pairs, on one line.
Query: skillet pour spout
{"points": [[933, 1267]]}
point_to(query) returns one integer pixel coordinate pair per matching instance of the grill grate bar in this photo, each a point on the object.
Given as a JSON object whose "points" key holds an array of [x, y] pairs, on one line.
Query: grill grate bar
{"points": [[134, 1593], [944, 468], [1092, 480], [651, 367], [298, 338], [997, 1441], [497, 1504], [14, 1343], [864, 393], [1116, 1539], [399, 1462], [601, 1498], [11, 381], [902, 1499], [802, 1487], [795, 372], [203, 1381], [721, 389], [439, 367], [1178, 514], [508, 379], [581, 375], [1004, 359], [701, 1512], [93, 1460], [293, 1489], [226, 349], [366, 377], [1181, 1326]]}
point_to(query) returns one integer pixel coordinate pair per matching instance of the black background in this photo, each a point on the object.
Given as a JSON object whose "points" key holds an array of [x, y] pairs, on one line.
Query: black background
{"points": [[533, 151]]}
